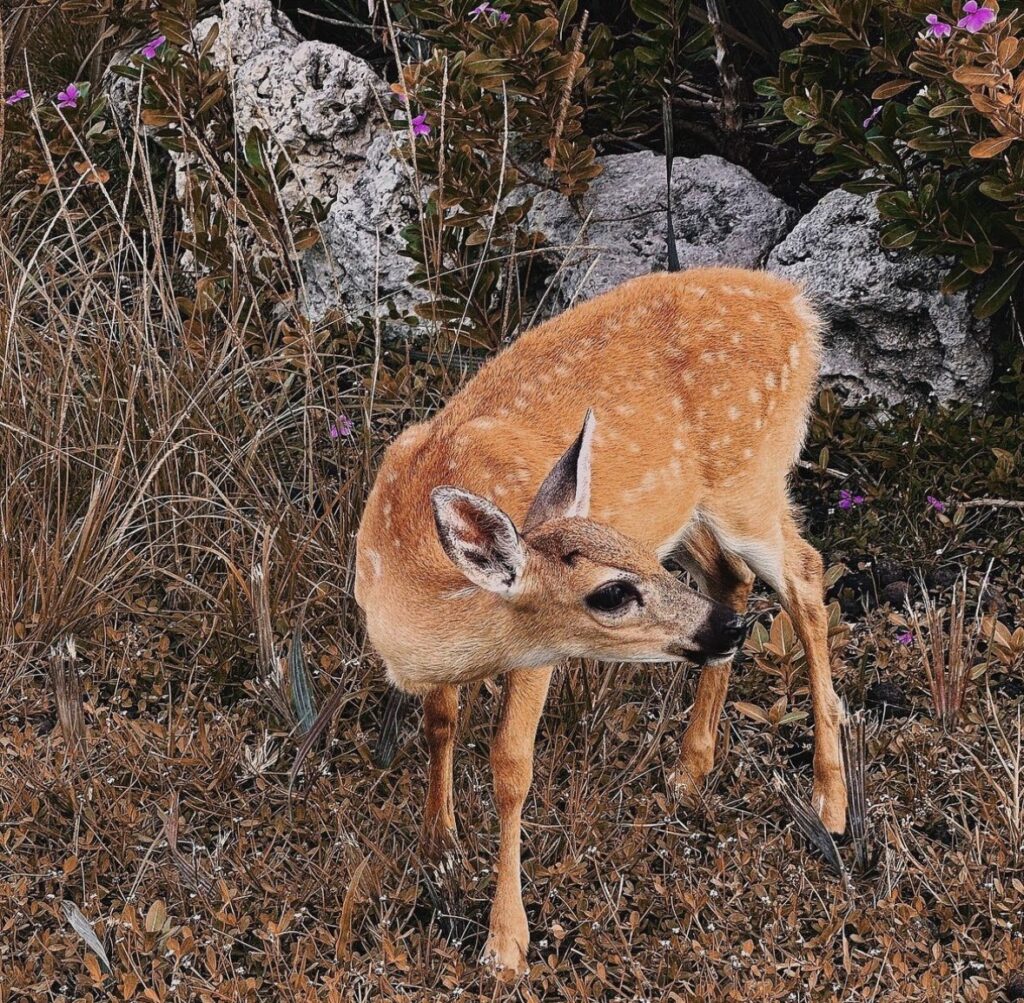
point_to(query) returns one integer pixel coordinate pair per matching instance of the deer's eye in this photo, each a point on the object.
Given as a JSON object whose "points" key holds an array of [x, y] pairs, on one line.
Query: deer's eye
{"points": [[613, 596]]}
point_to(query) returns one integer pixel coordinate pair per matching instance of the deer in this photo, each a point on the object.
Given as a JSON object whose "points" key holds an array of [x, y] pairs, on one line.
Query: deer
{"points": [[531, 519]]}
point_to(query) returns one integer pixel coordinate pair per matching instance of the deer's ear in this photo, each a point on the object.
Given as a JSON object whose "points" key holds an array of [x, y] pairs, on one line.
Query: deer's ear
{"points": [[479, 539], [566, 490]]}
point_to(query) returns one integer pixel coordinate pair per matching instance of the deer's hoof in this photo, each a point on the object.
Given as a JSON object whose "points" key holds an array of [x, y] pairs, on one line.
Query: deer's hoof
{"points": [[440, 845], [686, 782], [505, 952], [829, 800]]}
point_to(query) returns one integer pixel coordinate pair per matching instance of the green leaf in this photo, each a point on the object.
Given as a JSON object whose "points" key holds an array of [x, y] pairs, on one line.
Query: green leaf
{"points": [[899, 235], [253, 151], [978, 257], [1004, 280]]}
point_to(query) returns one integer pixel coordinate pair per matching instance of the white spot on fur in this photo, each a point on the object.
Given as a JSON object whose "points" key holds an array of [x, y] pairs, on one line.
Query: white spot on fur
{"points": [[754, 394], [734, 412], [794, 353], [769, 380], [748, 454], [375, 562]]}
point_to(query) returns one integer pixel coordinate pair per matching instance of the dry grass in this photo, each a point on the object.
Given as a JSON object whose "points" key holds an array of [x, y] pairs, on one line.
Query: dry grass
{"points": [[176, 507]]}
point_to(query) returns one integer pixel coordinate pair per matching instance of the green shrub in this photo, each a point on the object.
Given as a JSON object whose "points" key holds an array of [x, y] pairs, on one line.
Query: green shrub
{"points": [[930, 123], [506, 92]]}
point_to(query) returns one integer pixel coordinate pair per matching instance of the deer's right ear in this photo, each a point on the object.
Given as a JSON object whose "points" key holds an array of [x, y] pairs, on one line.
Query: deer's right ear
{"points": [[479, 539], [566, 489]]}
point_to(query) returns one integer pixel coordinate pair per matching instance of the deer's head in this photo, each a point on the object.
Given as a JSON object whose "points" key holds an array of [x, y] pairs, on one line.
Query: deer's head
{"points": [[575, 587]]}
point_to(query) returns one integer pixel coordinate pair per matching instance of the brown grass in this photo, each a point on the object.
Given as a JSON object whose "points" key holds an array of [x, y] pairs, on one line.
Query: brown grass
{"points": [[175, 506]]}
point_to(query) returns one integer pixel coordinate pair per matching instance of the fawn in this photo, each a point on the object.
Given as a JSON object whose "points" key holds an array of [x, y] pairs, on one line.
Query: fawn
{"points": [[500, 538]]}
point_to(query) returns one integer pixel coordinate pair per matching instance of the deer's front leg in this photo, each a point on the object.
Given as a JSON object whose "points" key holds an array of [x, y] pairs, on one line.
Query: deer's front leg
{"points": [[728, 580], [512, 764], [440, 720]]}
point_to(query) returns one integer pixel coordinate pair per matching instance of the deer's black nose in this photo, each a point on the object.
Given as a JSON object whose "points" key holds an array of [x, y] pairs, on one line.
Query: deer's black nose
{"points": [[734, 631]]}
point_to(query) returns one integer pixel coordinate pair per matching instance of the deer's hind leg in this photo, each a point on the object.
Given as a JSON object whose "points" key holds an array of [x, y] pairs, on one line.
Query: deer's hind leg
{"points": [[780, 556], [440, 723], [726, 579]]}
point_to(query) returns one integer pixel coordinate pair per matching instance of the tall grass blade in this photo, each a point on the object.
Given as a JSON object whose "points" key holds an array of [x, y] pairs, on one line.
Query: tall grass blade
{"points": [[301, 687], [84, 929]]}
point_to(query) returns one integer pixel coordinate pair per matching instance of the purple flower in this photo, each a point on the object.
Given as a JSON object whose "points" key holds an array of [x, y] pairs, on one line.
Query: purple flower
{"points": [[341, 428], [68, 98], [847, 499], [18, 95], [419, 125], [975, 18], [870, 120], [149, 49], [937, 28], [939, 506], [486, 8], [905, 637]]}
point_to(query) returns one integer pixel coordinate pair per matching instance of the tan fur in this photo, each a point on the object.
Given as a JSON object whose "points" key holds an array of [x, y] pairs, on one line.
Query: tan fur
{"points": [[700, 383]]}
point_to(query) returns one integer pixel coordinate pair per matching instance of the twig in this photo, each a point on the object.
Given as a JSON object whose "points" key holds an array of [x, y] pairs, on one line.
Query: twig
{"points": [[67, 694], [854, 745], [726, 71], [831, 471], [993, 503], [570, 80]]}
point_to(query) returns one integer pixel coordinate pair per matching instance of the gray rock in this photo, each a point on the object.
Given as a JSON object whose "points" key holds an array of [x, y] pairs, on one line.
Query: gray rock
{"points": [[891, 332], [321, 104], [329, 112], [722, 215]]}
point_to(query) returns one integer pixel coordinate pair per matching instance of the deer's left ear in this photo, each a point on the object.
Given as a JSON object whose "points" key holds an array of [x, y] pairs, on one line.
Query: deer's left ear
{"points": [[566, 490]]}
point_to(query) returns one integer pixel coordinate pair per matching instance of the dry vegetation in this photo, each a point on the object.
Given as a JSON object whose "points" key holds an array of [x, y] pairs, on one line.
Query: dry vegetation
{"points": [[172, 506]]}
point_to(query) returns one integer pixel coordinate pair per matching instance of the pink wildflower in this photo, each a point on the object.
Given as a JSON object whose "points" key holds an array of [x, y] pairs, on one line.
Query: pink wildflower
{"points": [[68, 98], [150, 48], [847, 499], [975, 18]]}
